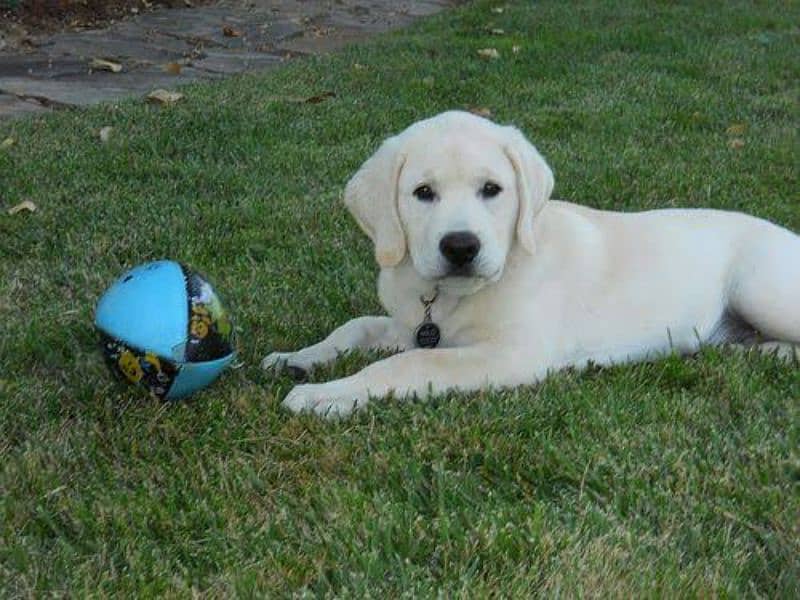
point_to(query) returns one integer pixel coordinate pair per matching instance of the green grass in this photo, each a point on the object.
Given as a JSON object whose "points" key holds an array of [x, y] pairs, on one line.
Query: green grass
{"points": [[680, 477]]}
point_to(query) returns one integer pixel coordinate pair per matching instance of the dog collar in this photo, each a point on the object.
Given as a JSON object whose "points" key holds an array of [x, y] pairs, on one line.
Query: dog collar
{"points": [[427, 333]]}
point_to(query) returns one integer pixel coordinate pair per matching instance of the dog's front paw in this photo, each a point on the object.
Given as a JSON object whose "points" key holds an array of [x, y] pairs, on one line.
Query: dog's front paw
{"points": [[324, 399], [285, 361]]}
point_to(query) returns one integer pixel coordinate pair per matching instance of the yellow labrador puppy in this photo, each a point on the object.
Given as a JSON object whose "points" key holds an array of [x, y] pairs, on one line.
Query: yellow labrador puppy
{"points": [[489, 284]]}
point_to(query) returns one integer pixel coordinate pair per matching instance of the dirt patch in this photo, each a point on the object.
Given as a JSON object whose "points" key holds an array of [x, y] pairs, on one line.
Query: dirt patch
{"points": [[21, 21], [50, 59]]}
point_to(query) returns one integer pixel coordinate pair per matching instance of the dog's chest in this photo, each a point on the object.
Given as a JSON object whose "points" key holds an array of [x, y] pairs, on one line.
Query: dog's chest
{"points": [[456, 317]]}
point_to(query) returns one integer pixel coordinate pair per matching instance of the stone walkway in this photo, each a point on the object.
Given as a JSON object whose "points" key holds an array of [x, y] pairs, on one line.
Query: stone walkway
{"points": [[167, 48]]}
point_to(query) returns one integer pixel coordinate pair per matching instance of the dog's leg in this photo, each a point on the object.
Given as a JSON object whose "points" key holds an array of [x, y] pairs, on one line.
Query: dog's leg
{"points": [[419, 372], [765, 290], [365, 333]]}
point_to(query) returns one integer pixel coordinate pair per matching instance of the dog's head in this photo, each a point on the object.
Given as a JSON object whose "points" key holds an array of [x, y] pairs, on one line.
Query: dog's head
{"points": [[454, 192]]}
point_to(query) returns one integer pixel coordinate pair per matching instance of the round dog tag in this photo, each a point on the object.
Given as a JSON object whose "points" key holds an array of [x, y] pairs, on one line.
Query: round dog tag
{"points": [[427, 335]]}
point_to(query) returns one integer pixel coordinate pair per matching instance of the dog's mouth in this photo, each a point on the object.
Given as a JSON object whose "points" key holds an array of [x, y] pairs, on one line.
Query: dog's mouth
{"points": [[468, 272], [459, 279], [466, 281]]}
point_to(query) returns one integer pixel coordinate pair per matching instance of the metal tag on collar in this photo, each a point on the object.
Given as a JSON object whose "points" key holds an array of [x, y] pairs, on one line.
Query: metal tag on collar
{"points": [[427, 333]]}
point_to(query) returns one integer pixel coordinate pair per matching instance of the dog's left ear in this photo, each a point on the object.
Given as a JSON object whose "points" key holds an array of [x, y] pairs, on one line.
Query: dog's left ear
{"points": [[534, 183], [371, 197]]}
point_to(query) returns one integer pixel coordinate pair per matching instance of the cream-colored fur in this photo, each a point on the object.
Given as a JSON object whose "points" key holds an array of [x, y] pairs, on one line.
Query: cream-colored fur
{"points": [[554, 285]]}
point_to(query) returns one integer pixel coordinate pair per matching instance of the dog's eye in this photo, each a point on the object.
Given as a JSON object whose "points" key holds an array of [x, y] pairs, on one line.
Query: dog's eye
{"points": [[424, 193], [490, 189]]}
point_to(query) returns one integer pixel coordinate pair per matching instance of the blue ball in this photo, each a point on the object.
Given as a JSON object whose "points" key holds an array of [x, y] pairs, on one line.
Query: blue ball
{"points": [[162, 326]]}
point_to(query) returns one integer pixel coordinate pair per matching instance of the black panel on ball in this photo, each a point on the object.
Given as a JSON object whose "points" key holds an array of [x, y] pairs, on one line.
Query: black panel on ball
{"points": [[210, 327], [138, 367]]}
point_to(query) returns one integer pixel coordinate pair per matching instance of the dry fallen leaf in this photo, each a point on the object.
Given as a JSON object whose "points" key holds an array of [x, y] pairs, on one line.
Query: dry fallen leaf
{"points": [[316, 99], [173, 68], [736, 143], [105, 133], [229, 31], [163, 97], [100, 64], [736, 129], [481, 111], [320, 31], [7, 143], [490, 53], [26, 205]]}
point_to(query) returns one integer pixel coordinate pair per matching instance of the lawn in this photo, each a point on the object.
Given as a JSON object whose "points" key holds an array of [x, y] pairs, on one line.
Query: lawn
{"points": [[680, 477]]}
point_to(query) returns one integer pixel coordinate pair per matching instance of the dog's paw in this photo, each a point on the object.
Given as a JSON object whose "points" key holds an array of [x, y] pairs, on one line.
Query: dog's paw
{"points": [[275, 361], [783, 351], [324, 399], [285, 361]]}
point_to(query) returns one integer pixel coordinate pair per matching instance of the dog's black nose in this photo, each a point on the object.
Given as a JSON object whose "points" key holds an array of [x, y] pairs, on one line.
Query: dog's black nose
{"points": [[460, 247]]}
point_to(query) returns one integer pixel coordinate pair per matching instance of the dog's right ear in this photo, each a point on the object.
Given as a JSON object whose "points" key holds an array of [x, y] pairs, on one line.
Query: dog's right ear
{"points": [[371, 197]]}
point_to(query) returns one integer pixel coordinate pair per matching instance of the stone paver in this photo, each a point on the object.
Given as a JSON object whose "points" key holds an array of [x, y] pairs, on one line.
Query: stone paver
{"points": [[207, 42]]}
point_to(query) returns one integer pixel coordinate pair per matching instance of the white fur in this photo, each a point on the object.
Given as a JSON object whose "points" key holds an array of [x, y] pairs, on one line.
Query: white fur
{"points": [[555, 284]]}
